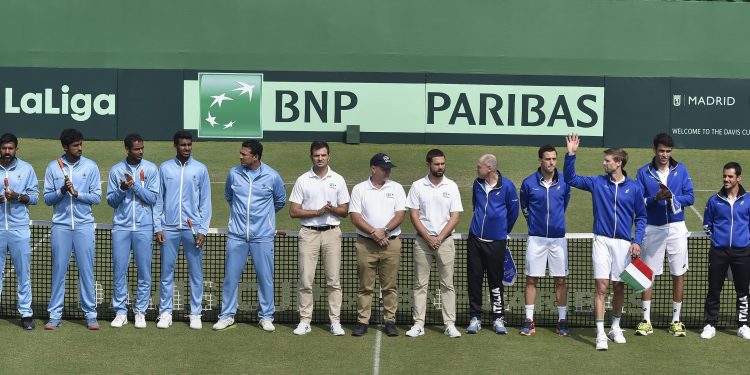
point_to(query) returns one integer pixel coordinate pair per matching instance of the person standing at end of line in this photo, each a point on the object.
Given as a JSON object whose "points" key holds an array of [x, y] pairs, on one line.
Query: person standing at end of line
{"points": [[377, 209], [320, 200], [618, 205], [182, 215], [20, 190], [726, 220], [434, 205], [544, 200], [495, 203], [255, 193], [667, 191], [72, 187], [132, 191]]}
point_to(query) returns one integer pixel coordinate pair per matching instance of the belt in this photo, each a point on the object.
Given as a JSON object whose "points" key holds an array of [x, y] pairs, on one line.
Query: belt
{"points": [[390, 238], [322, 228]]}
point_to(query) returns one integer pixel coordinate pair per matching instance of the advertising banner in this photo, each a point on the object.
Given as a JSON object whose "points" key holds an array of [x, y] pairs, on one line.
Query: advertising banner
{"points": [[710, 113], [42, 102], [423, 108]]}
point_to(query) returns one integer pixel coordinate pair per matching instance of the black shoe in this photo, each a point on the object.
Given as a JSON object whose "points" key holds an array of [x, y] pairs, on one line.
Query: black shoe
{"points": [[390, 329], [28, 323], [359, 330]]}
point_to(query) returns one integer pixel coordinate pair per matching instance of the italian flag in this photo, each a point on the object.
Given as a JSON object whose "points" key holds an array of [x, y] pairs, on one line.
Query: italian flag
{"points": [[638, 275]]}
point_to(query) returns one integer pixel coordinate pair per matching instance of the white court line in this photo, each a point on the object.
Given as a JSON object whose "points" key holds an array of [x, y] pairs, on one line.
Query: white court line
{"points": [[697, 213], [376, 359]]}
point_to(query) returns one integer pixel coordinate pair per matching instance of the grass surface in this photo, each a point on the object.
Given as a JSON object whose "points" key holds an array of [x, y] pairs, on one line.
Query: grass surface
{"points": [[248, 350]]}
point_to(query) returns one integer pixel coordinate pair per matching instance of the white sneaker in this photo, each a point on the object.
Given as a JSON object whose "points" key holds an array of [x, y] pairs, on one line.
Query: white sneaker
{"points": [[302, 328], [223, 324], [119, 321], [744, 332], [267, 325], [195, 322], [601, 342], [616, 335], [336, 329], [140, 320], [452, 332], [709, 332], [164, 321], [415, 331]]}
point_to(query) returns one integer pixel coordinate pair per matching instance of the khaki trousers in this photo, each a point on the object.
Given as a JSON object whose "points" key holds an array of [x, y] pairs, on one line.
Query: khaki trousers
{"points": [[313, 245], [374, 260], [444, 256]]}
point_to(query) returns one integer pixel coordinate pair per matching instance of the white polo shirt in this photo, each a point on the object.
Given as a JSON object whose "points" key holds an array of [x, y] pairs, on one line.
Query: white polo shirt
{"points": [[313, 192], [378, 206], [435, 202]]}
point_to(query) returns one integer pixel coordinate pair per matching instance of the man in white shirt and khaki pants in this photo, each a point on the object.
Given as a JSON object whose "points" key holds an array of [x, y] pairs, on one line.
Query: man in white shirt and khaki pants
{"points": [[319, 199], [434, 204]]}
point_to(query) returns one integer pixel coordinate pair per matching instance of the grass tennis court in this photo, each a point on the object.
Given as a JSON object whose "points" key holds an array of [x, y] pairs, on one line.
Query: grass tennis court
{"points": [[246, 349]]}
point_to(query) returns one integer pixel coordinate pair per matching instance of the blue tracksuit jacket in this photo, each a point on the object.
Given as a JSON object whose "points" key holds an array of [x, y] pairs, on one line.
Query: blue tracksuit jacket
{"points": [[134, 207], [678, 182], [184, 193], [68, 211], [616, 206], [728, 224], [21, 179], [254, 202], [496, 211], [544, 208]]}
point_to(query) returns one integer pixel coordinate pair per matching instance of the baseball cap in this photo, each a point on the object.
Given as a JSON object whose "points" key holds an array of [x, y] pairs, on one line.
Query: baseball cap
{"points": [[381, 160]]}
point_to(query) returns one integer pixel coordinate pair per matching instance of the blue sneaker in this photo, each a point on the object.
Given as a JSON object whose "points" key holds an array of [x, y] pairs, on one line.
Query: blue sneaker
{"points": [[499, 326], [52, 324], [562, 328], [474, 326], [92, 324], [528, 328]]}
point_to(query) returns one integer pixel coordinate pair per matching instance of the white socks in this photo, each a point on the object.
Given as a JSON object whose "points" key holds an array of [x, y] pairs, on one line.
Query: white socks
{"points": [[616, 321], [529, 311], [676, 307], [647, 311], [600, 328]]}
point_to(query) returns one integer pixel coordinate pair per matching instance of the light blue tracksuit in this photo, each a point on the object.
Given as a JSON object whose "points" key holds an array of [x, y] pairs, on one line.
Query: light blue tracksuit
{"points": [[132, 228], [184, 193], [254, 198], [14, 229], [72, 230]]}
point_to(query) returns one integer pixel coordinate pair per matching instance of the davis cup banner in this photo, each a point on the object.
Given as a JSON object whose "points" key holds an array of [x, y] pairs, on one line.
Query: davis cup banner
{"points": [[244, 105]]}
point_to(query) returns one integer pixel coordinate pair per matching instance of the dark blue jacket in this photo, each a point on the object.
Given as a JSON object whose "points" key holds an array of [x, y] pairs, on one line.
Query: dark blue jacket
{"points": [[728, 225], [678, 182], [544, 208], [616, 206], [496, 211]]}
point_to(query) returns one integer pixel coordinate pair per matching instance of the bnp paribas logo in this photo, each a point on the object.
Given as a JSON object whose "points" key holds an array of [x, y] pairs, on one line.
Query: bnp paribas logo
{"points": [[230, 105]]}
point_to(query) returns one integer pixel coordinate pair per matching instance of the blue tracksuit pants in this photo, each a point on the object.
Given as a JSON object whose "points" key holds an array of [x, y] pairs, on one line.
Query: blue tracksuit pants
{"points": [[235, 262], [122, 243], [17, 243], [80, 242], [194, 257]]}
